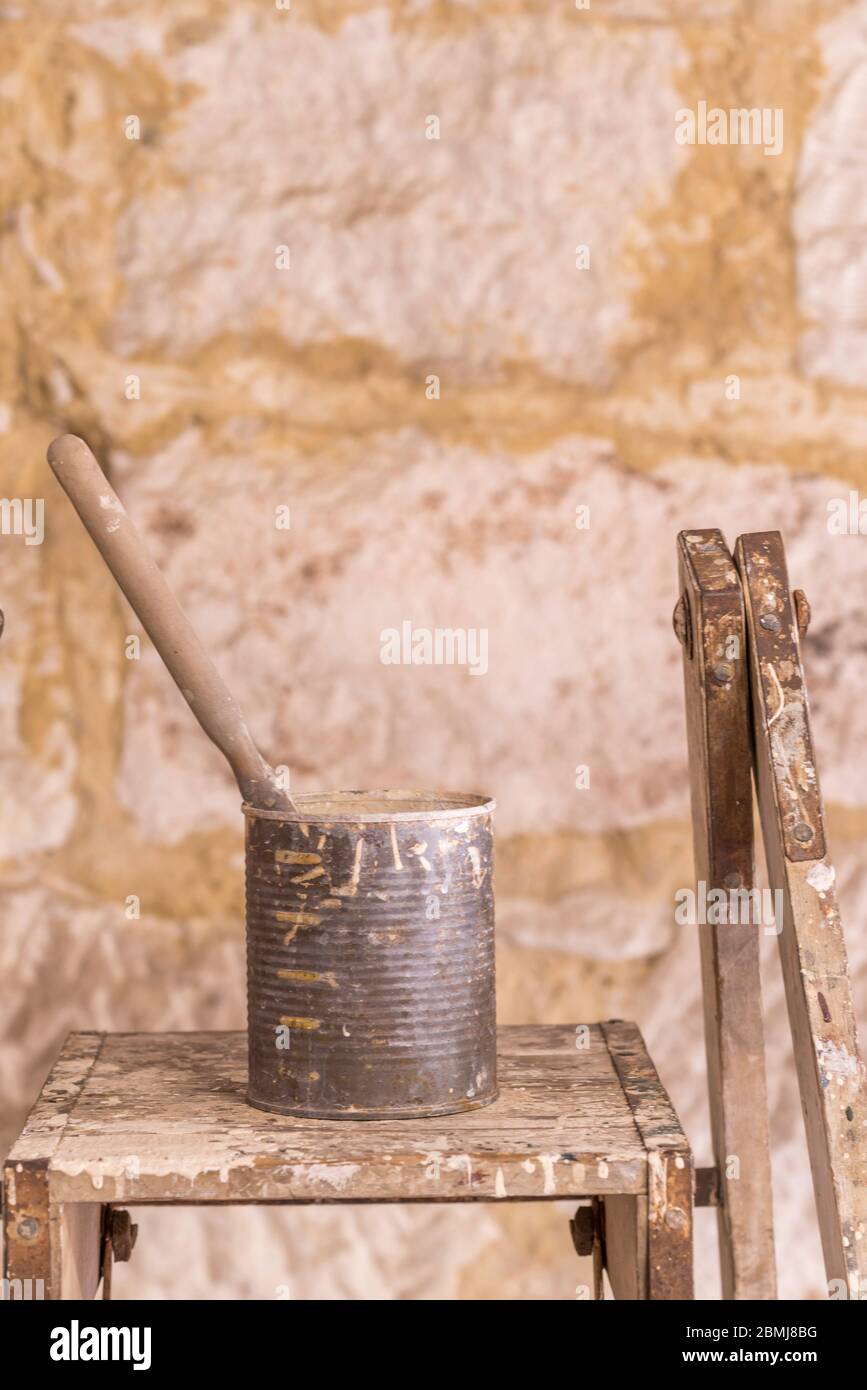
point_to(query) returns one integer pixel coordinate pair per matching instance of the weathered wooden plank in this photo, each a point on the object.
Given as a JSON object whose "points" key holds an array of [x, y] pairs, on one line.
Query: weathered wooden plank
{"points": [[34, 1245], [710, 618], [626, 1245], [652, 1112], [80, 1239], [669, 1175], [542, 1171], [813, 953], [163, 1117], [60, 1094]]}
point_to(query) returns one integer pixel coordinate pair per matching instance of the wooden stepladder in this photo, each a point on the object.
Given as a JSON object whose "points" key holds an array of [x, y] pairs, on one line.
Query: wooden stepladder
{"points": [[582, 1114], [747, 711]]}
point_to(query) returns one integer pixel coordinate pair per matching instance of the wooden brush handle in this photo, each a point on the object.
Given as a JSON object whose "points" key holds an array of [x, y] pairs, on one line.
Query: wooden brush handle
{"points": [[163, 620]]}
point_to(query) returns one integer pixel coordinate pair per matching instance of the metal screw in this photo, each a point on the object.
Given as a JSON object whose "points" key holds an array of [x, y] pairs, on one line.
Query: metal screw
{"points": [[722, 672], [770, 622], [802, 611], [680, 623], [583, 1226], [732, 880], [28, 1228], [802, 832], [122, 1234]]}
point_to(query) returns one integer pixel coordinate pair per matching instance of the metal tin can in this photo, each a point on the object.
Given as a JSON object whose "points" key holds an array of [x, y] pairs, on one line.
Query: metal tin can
{"points": [[370, 955]]}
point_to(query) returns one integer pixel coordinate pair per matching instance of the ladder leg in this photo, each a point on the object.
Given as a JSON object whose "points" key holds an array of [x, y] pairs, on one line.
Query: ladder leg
{"points": [[815, 970], [709, 621], [625, 1227]]}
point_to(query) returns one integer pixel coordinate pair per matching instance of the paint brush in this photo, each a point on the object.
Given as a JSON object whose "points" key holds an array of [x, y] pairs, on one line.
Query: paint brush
{"points": [[164, 621]]}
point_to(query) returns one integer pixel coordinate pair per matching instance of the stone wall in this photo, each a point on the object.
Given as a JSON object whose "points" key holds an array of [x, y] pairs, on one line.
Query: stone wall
{"points": [[432, 376]]}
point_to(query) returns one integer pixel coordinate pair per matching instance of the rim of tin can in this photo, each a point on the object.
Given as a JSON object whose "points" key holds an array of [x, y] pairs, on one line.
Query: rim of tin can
{"points": [[366, 807]]}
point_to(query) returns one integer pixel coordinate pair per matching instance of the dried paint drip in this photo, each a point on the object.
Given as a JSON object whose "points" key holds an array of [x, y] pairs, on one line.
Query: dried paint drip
{"points": [[821, 876], [836, 1063]]}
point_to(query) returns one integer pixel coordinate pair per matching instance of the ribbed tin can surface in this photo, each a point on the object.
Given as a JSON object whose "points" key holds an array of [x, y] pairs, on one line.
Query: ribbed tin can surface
{"points": [[370, 955]]}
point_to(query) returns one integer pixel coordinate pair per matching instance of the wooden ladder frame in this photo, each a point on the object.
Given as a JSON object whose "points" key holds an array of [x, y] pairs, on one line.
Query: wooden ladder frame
{"points": [[747, 710]]}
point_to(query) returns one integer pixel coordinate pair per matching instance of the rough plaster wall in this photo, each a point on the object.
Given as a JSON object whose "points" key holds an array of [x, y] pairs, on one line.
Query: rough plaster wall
{"points": [[306, 387]]}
